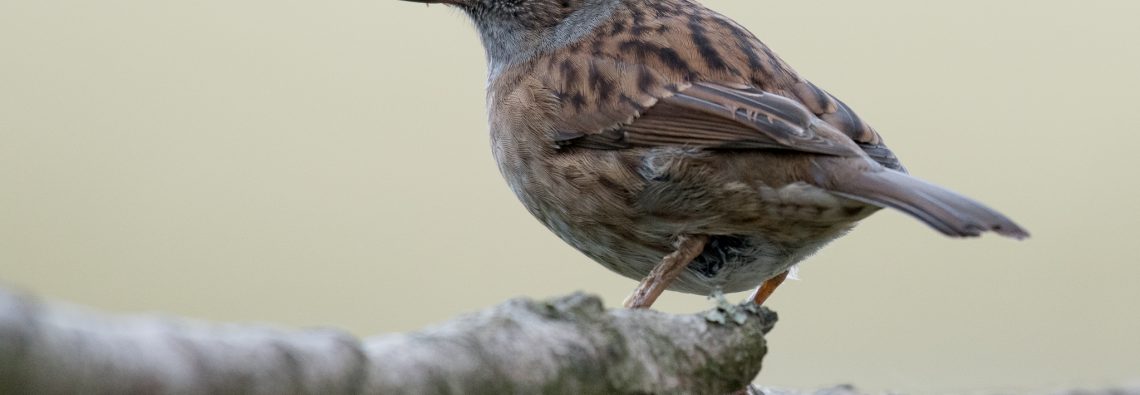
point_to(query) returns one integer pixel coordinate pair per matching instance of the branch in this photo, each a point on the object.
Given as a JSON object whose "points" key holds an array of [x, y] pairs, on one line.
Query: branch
{"points": [[567, 345], [1133, 389]]}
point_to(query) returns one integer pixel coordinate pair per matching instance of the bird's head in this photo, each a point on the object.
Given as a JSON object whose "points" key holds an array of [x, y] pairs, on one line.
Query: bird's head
{"points": [[515, 30], [526, 15]]}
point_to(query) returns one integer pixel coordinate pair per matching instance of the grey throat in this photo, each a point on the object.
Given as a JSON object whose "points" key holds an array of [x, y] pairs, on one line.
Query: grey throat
{"points": [[508, 42]]}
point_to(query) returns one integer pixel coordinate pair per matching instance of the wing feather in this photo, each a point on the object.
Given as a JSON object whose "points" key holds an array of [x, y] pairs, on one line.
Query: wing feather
{"points": [[717, 116]]}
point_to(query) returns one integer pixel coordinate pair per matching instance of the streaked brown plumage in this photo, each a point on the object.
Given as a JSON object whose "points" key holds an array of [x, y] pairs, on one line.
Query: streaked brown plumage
{"points": [[626, 125]]}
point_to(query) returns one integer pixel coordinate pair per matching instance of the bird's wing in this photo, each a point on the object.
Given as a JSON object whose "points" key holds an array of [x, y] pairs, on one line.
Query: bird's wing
{"points": [[836, 113], [635, 65], [721, 116]]}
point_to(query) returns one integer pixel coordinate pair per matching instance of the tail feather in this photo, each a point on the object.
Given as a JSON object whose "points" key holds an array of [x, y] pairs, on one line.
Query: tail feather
{"points": [[944, 210]]}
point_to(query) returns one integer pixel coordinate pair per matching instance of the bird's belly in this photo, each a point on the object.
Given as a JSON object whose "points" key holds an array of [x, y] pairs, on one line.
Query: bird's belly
{"points": [[627, 220], [740, 263], [729, 263]]}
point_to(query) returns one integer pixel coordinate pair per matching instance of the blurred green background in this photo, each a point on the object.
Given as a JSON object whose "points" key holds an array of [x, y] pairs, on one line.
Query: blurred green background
{"points": [[327, 164]]}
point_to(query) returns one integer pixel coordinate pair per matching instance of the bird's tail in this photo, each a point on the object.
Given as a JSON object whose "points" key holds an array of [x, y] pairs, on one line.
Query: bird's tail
{"points": [[944, 210]]}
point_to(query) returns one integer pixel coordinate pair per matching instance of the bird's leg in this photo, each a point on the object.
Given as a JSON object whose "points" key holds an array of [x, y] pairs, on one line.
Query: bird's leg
{"points": [[688, 248], [767, 288]]}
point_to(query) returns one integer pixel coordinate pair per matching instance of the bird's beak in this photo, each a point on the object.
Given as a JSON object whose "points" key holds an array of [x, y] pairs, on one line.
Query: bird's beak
{"points": [[451, 2]]}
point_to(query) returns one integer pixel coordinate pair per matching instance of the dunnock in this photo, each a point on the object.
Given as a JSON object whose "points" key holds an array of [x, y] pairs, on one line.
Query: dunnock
{"points": [[666, 142]]}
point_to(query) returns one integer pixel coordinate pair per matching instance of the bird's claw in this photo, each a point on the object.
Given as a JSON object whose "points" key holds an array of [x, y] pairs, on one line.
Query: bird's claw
{"points": [[726, 310]]}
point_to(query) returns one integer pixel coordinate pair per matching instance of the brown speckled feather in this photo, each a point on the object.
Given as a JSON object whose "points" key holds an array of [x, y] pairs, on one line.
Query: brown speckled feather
{"points": [[625, 126], [619, 85]]}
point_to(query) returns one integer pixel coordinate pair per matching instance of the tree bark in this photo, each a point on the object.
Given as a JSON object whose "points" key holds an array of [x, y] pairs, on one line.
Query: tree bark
{"points": [[570, 345]]}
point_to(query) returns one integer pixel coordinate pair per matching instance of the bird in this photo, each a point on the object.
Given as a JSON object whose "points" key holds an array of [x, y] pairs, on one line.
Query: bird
{"points": [[668, 143]]}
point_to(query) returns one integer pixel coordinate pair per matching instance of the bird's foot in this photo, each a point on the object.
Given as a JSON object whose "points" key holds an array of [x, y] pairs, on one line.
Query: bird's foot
{"points": [[726, 311]]}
